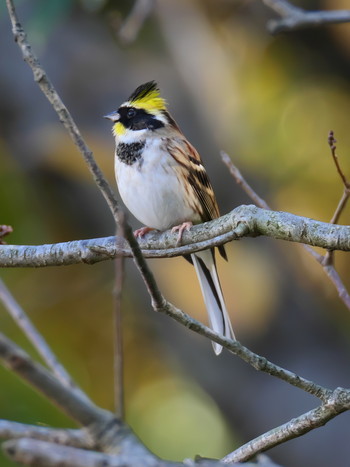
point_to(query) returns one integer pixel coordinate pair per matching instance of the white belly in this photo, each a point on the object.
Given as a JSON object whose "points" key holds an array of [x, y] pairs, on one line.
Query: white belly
{"points": [[153, 193]]}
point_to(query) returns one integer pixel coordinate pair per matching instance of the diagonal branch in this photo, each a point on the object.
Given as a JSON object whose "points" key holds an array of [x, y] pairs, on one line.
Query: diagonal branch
{"points": [[23, 321], [133, 23], [51, 94], [322, 260], [293, 18], [256, 361], [338, 402], [81, 410], [328, 259], [46, 86]]}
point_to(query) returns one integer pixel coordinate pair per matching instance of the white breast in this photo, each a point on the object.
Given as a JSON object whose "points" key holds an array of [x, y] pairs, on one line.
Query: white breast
{"points": [[152, 190]]}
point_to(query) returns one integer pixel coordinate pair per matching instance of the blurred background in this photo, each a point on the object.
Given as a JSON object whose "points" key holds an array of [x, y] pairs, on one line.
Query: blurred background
{"points": [[269, 102]]}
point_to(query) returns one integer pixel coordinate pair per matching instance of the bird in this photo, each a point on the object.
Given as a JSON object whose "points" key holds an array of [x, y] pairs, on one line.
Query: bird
{"points": [[163, 183]]}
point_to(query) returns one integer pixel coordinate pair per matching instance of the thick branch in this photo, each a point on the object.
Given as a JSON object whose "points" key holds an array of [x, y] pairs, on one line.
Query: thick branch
{"points": [[43, 454], [241, 222], [293, 18], [67, 437], [107, 432]]}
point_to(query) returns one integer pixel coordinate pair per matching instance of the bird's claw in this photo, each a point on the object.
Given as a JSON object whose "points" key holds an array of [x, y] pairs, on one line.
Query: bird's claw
{"points": [[142, 231], [181, 228]]}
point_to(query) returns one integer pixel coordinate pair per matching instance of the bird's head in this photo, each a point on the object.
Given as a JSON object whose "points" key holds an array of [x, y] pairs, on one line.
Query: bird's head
{"points": [[145, 109]]}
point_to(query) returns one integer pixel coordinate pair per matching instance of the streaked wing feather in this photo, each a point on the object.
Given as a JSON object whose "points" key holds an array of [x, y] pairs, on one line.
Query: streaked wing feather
{"points": [[194, 172], [189, 161]]}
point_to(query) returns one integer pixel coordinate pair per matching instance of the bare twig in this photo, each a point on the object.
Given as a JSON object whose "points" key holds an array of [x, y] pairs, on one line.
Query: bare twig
{"points": [[132, 25], [338, 402], [328, 259], [240, 180], [345, 196], [256, 361], [324, 261], [293, 18], [43, 81], [118, 323], [23, 321], [332, 144]]}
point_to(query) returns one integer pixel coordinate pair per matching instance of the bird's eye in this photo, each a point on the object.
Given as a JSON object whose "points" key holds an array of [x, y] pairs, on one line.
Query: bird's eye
{"points": [[131, 113]]}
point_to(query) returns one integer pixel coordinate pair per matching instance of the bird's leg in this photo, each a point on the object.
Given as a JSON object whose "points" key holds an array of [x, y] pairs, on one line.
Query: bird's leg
{"points": [[142, 231], [180, 228]]}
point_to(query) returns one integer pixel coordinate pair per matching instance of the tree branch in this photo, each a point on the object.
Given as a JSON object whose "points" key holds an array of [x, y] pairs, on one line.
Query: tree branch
{"points": [[43, 81], [23, 321], [81, 410], [256, 361], [67, 437], [44, 454], [106, 431], [244, 221], [325, 261], [338, 402], [132, 24], [51, 94], [293, 18], [118, 330]]}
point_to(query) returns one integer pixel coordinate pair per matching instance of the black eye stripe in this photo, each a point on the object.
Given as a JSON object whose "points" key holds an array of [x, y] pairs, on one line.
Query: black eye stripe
{"points": [[138, 119]]}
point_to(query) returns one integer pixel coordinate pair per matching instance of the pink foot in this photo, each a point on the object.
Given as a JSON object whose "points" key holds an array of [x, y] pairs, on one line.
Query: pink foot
{"points": [[141, 232], [180, 228]]}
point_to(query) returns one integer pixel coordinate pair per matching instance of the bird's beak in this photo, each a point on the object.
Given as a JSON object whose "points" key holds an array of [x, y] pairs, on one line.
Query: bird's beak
{"points": [[114, 116]]}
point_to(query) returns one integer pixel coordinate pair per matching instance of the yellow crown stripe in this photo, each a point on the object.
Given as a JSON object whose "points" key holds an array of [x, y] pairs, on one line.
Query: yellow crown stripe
{"points": [[151, 102]]}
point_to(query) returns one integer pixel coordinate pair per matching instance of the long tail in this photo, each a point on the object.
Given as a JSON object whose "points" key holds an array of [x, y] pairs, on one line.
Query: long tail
{"points": [[204, 263]]}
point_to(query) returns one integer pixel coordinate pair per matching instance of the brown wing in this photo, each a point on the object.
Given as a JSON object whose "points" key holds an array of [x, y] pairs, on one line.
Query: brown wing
{"points": [[194, 172]]}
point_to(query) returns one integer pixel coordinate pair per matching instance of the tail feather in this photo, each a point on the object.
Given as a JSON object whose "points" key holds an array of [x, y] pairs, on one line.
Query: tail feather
{"points": [[204, 263]]}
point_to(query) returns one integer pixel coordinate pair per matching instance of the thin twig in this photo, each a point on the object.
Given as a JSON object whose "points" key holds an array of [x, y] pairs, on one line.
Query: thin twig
{"points": [[256, 361], [328, 259], [293, 17], [23, 321], [324, 261], [332, 144], [240, 180], [133, 23], [118, 328]]}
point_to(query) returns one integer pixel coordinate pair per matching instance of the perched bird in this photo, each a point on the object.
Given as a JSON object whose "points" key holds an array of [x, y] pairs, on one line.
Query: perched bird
{"points": [[162, 181]]}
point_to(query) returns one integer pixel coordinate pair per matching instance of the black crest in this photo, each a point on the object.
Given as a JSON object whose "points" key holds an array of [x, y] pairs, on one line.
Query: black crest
{"points": [[143, 90]]}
